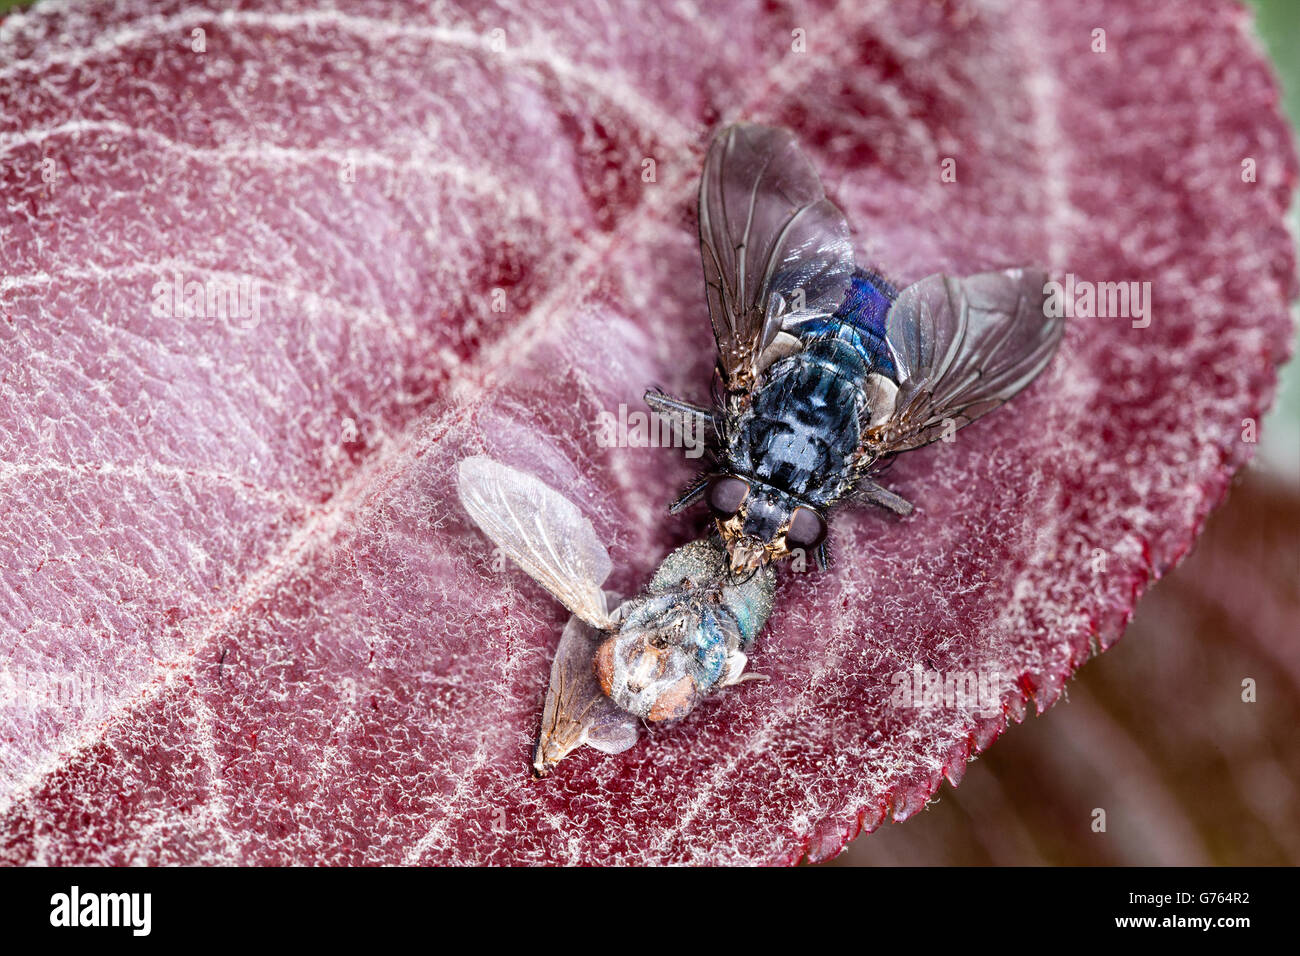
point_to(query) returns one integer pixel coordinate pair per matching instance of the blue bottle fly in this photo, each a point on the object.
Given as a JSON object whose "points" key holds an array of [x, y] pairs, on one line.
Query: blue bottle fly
{"points": [[827, 371]]}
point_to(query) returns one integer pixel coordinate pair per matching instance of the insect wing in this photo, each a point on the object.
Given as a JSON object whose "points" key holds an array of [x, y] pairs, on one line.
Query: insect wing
{"points": [[961, 348], [542, 531], [775, 249], [577, 711]]}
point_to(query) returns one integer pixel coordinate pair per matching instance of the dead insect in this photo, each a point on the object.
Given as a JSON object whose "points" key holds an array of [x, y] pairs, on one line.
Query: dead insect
{"points": [[827, 370], [654, 657]]}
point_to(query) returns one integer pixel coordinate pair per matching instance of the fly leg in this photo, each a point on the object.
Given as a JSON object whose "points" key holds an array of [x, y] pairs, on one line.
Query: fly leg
{"points": [[868, 490], [694, 427], [692, 494]]}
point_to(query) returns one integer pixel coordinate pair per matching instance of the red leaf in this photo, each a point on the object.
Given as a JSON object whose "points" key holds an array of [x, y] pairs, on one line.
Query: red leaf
{"points": [[1157, 732], [234, 543]]}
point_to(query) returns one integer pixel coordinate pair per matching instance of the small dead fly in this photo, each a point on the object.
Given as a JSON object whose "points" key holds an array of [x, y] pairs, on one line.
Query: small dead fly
{"points": [[653, 657]]}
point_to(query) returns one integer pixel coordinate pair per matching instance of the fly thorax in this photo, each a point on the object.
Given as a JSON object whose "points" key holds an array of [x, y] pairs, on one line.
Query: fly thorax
{"points": [[693, 566], [749, 602], [703, 568]]}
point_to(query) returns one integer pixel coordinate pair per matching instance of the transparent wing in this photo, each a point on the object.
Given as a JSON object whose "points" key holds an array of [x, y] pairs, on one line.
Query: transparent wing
{"points": [[961, 348], [775, 249], [542, 531], [577, 711]]}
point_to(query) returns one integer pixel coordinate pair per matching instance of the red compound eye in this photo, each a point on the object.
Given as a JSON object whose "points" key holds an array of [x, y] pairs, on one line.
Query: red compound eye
{"points": [[807, 529], [725, 495]]}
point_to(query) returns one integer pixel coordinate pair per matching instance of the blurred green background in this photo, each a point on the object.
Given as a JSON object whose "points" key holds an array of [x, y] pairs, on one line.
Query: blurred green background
{"points": [[1278, 24]]}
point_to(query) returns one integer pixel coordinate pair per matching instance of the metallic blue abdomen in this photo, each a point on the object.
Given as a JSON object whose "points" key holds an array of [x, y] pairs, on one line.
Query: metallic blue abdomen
{"points": [[863, 310]]}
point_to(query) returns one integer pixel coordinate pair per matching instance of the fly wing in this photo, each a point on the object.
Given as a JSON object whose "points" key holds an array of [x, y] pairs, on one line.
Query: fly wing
{"points": [[577, 711], [542, 531], [775, 249], [961, 348]]}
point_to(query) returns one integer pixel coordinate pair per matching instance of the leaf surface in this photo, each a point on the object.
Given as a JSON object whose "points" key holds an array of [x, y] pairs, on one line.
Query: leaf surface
{"points": [[244, 618]]}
